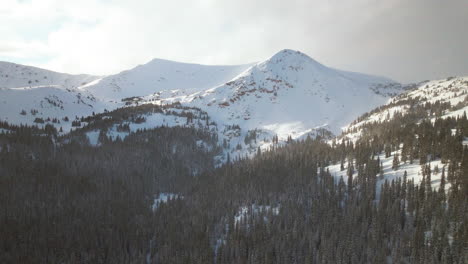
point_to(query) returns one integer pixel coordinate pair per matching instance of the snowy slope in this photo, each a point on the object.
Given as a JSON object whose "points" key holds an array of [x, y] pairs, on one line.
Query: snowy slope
{"points": [[29, 93], [14, 75], [47, 94], [414, 171], [24, 105], [291, 94], [162, 75], [453, 90]]}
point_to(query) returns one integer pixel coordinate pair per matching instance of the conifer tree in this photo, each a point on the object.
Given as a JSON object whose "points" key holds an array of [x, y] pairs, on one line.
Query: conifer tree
{"points": [[396, 162]]}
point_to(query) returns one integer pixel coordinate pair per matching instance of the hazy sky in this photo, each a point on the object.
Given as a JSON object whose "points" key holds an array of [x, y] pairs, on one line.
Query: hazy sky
{"points": [[407, 40]]}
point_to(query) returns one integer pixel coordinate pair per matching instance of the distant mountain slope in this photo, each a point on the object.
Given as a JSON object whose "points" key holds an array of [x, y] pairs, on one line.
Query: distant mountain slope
{"points": [[14, 75], [30, 95], [162, 75]]}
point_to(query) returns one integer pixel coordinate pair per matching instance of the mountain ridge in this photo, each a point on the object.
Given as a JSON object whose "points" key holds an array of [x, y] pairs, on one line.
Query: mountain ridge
{"points": [[288, 95], [161, 75], [14, 75], [292, 81]]}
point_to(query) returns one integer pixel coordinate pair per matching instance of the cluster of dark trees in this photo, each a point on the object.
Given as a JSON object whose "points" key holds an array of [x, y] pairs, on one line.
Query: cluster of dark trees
{"points": [[63, 201], [74, 203]]}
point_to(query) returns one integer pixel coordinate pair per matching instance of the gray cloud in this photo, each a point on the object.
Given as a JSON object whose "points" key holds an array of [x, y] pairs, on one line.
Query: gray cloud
{"points": [[401, 39], [405, 40]]}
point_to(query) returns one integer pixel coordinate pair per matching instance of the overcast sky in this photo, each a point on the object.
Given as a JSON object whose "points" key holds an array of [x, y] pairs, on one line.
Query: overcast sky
{"points": [[406, 40]]}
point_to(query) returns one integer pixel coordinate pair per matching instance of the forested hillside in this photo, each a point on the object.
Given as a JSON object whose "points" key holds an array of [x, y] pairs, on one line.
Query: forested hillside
{"points": [[65, 200], [76, 203]]}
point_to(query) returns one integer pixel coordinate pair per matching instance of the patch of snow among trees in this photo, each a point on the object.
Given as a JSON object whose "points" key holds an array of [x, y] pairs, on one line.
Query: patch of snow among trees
{"points": [[164, 198], [247, 211], [390, 173]]}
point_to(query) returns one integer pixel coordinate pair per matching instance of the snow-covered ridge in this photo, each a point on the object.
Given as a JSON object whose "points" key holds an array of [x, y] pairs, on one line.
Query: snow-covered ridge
{"points": [[30, 95], [162, 75], [452, 91], [14, 75]]}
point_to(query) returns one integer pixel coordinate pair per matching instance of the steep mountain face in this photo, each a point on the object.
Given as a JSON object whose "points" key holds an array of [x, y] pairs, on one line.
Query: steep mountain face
{"points": [[162, 75], [291, 94]]}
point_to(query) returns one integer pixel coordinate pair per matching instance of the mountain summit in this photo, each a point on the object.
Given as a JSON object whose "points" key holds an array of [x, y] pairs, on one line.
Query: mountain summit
{"points": [[292, 94], [292, 58]]}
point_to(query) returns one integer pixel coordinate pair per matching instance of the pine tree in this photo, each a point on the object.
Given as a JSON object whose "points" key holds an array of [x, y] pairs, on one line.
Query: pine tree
{"points": [[388, 150], [381, 172], [350, 173], [404, 153], [396, 162], [428, 177]]}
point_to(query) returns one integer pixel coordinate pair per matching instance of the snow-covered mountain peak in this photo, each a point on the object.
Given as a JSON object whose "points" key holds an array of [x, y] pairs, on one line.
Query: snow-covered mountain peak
{"points": [[291, 57], [290, 94], [290, 62]]}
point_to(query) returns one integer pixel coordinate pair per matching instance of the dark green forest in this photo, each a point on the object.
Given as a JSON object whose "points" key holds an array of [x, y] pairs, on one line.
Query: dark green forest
{"points": [[64, 201]]}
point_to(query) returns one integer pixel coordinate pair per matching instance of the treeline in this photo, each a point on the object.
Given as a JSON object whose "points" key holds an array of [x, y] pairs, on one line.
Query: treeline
{"points": [[138, 114]]}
